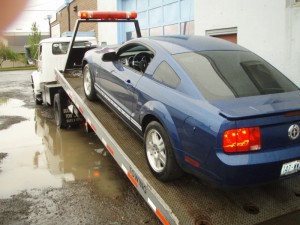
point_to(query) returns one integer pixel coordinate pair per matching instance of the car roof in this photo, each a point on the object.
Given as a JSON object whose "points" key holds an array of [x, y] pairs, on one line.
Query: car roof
{"points": [[184, 43]]}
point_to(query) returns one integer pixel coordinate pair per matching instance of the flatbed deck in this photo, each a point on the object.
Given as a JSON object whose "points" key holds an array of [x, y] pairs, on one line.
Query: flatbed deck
{"points": [[188, 200]]}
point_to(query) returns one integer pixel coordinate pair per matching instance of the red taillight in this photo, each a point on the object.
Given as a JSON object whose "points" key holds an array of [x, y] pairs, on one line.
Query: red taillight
{"points": [[107, 15], [242, 140]]}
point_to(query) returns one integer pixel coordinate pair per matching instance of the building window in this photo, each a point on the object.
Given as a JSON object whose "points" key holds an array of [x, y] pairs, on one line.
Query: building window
{"points": [[171, 29], [157, 31], [145, 32], [132, 34], [187, 28]]}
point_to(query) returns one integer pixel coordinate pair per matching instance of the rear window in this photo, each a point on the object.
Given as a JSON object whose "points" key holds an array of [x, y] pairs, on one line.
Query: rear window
{"points": [[233, 74], [61, 48]]}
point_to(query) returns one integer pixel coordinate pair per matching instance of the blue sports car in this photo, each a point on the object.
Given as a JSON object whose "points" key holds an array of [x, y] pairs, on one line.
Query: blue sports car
{"points": [[202, 105]]}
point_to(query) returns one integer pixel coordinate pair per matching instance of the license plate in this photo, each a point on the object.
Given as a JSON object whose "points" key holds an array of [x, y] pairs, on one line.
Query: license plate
{"points": [[289, 168]]}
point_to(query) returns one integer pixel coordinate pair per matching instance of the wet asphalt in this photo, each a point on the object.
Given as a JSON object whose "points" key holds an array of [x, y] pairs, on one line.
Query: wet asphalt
{"points": [[53, 176]]}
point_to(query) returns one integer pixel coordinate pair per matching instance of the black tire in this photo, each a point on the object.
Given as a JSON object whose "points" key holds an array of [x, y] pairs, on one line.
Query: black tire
{"points": [[89, 84], [58, 114], [159, 153], [37, 100]]}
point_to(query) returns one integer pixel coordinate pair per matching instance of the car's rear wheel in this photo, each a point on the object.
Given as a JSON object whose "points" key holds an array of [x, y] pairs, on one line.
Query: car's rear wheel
{"points": [[159, 152], [88, 83]]}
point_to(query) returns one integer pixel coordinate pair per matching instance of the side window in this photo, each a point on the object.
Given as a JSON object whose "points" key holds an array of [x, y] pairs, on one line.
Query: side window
{"points": [[136, 56], [166, 75]]}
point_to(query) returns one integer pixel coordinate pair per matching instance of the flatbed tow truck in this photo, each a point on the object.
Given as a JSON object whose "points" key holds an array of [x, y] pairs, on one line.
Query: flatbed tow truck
{"points": [[185, 201]]}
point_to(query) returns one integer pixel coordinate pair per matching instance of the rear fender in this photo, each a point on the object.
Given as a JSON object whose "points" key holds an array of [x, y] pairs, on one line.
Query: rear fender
{"points": [[158, 110]]}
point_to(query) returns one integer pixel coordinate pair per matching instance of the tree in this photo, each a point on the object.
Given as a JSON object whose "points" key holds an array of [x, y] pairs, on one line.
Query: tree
{"points": [[34, 39], [7, 54]]}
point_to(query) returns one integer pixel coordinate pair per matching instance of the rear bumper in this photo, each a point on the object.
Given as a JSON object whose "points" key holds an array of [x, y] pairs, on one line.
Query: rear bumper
{"points": [[251, 169]]}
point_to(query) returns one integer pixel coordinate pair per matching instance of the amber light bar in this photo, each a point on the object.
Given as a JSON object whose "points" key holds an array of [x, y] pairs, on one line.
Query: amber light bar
{"points": [[107, 15]]}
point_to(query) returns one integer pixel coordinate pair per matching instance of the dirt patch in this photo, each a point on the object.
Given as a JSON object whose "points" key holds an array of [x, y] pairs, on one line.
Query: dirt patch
{"points": [[2, 156], [14, 211], [75, 203], [7, 121]]}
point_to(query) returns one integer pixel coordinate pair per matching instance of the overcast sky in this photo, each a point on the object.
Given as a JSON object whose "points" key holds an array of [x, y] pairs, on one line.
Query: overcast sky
{"points": [[35, 11]]}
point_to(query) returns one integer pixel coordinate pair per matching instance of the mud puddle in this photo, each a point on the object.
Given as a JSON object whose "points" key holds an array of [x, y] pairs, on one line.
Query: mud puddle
{"points": [[39, 155]]}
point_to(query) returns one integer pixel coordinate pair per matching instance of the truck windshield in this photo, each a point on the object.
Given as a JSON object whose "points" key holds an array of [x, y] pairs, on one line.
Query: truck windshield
{"points": [[232, 74]]}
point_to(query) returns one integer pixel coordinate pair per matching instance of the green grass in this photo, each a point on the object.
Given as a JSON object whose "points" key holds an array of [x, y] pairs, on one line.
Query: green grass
{"points": [[18, 68]]}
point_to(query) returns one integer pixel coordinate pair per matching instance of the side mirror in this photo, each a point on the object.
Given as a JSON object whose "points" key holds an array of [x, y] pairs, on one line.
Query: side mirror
{"points": [[109, 57]]}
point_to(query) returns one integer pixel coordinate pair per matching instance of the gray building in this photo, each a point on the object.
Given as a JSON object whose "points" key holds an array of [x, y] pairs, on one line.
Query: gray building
{"points": [[17, 40]]}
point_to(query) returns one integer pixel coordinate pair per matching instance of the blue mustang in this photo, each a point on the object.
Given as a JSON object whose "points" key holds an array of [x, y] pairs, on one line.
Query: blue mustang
{"points": [[203, 105]]}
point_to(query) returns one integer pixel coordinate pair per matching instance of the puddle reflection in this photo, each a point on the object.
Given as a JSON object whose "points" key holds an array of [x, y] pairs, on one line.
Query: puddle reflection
{"points": [[42, 156]]}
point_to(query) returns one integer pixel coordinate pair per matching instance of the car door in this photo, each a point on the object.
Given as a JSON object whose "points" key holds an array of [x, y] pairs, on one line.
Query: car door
{"points": [[121, 78]]}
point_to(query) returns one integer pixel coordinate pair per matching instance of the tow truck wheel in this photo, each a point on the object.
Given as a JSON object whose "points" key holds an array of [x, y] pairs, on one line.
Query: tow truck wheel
{"points": [[159, 153], [58, 114], [88, 83], [37, 100]]}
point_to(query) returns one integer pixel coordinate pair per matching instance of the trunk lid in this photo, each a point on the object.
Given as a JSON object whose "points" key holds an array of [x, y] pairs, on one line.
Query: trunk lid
{"points": [[275, 114], [258, 106]]}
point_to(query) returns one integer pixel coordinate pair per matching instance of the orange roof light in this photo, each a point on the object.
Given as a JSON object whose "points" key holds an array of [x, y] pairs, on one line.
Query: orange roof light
{"points": [[107, 15]]}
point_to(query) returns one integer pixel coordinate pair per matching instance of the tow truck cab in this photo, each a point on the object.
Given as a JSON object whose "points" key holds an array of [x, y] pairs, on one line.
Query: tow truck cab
{"points": [[52, 53]]}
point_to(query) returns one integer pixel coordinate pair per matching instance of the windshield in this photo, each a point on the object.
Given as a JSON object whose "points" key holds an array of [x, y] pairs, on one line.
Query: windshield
{"points": [[232, 74]]}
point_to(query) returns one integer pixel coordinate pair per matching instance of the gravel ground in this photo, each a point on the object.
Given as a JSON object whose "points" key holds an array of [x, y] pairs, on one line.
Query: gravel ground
{"points": [[75, 203]]}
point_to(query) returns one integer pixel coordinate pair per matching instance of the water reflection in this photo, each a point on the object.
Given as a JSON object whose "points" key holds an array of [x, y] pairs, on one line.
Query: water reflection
{"points": [[76, 155], [42, 156], [21, 143]]}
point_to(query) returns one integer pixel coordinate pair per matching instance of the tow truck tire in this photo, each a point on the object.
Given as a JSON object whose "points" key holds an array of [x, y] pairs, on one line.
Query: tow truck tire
{"points": [[58, 114], [160, 154], [37, 100], [89, 83]]}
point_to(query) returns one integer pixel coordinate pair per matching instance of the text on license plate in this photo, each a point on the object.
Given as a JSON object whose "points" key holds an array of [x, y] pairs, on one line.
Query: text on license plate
{"points": [[289, 168]]}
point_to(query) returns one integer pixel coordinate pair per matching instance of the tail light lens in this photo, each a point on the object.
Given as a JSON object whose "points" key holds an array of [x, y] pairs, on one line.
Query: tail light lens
{"points": [[242, 140]]}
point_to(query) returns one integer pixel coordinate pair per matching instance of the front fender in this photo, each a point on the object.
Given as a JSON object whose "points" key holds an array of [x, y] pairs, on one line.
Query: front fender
{"points": [[36, 81], [162, 114]]}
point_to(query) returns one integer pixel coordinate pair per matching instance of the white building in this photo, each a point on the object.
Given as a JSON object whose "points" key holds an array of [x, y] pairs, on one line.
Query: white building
{"points": [[271, 29]]}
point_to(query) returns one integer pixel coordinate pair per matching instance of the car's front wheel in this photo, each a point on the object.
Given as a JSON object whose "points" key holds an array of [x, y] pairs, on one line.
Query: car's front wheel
{"points": [[159, 152], [88, 83]]}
